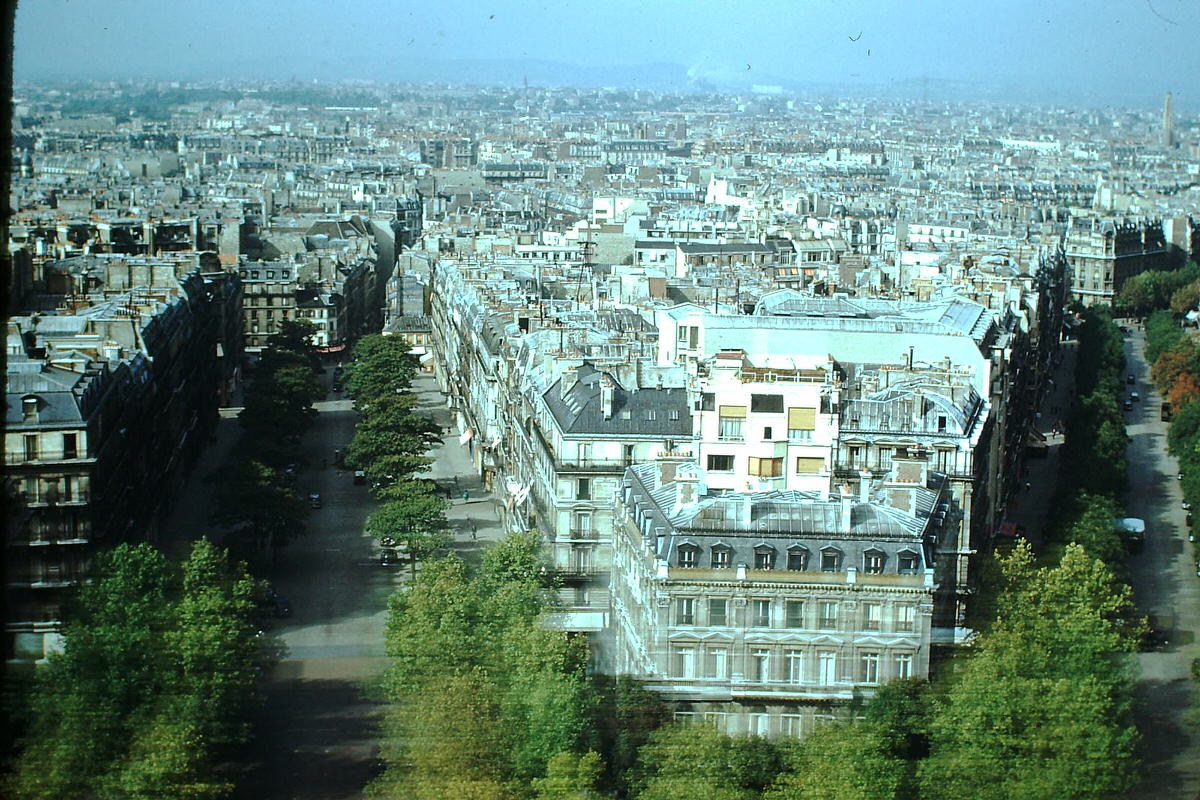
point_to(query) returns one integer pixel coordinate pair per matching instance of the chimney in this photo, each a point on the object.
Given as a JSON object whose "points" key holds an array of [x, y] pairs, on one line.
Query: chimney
{"points": [[746, 509], [846, 504], [687, 490], [606, 396], [864, 487]]}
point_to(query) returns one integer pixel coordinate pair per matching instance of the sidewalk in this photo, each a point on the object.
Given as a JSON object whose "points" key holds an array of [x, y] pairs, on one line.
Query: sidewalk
{"points": [[474, 517]]}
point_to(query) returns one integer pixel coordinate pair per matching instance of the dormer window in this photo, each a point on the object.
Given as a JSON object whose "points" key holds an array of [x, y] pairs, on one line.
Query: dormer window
{"points": [[29, 408], [689, 556], [907, 562], [797, 558], [764, 557], [873, 561], [831, 559], [720, 557]]}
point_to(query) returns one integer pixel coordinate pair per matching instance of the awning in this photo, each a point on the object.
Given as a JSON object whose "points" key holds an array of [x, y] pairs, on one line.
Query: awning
{"points": [[333, 348], [466, 436]]}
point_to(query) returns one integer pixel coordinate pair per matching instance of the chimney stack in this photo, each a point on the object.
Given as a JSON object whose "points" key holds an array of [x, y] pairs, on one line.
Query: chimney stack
{"points": [[846, 505], [606, 396]]}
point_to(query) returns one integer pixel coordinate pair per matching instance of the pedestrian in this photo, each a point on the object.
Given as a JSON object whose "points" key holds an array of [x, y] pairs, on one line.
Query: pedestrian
{"points": [[466, 495], [1028, 486], [474, 530]]}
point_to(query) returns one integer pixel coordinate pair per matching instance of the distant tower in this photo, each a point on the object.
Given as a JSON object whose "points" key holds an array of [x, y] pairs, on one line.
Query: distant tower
{"points": [[1168, 131]]}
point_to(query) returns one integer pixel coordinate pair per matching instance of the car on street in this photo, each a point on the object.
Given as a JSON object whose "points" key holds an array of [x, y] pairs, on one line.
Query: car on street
{"points": [[1178, 476], [1134, 396], [1130, 379], [314, 500], [1129, 405], [1185, 505], [360, 477]]}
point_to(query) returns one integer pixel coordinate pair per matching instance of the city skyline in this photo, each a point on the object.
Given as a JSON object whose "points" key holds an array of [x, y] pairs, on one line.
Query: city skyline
{"points": [[1112, 52]]}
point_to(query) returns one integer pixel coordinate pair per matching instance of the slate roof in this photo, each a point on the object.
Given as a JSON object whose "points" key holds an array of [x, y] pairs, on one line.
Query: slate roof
{"points": [[58, 391], [779, 520], [646, 412]]}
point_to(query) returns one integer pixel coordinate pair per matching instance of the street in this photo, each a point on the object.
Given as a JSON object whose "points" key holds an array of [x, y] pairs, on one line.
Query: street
{"points": [[317, 735], [1164, 580]]}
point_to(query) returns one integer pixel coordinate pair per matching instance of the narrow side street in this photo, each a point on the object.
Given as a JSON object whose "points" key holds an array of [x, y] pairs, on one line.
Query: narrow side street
{"points": [[1164, 581]]}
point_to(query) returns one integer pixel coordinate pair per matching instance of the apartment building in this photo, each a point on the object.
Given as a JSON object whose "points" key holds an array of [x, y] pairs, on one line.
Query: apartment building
{"points": [[766, 612]]}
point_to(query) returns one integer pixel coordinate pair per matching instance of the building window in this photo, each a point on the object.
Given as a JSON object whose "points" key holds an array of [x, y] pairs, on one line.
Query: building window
{"points": [[872, 616], [809, 466], [717, 719], [716, 662], [826, 667], [760, 613], [904, 666], [764, 558], [717, 607], [797, 559], [794, 613], [759, 724], [760, 665], [870, 668], [801, 424], [766, 467], [583, 525], [855, 455], [795, 666], [583, 489], [685, 611], [718, 463], [29, 408], [31, 447], [873, 562], [792, 725], [673, 414], [827, 621], [689, 556], [720, 558], [907, 563], [685, 662], [767, 433], [831, 560], [904, 618], [708, 401], [766, 403], [730, 428]]}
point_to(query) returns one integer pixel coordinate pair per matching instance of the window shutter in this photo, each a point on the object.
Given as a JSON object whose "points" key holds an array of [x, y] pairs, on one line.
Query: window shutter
{"points": [[809, 466], [802, 419], [733, 411]]}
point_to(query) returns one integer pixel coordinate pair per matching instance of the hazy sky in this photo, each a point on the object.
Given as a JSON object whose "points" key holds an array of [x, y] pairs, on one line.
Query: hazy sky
{"points": [[1136, 48]]}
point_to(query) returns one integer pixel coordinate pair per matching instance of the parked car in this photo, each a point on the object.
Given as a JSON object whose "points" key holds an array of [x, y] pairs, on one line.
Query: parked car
{"points": [[1129, 405], [283, 608], [1130, 379], [360, 477], [314, 500], [1134, 396]]}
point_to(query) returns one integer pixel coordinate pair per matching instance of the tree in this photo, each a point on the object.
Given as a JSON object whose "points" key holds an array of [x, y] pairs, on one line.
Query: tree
{"points": [[1185, 390], [411, 516], [1186, 298], [689, 761], [253, 499], [156, 666], [1042, 709], [570, 777], [382, 365], [1173, 363], [432, 627], [841, 761]]}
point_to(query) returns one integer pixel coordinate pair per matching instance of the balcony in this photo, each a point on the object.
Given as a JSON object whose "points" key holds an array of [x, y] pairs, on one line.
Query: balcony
{"points": [[615, 465]]}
